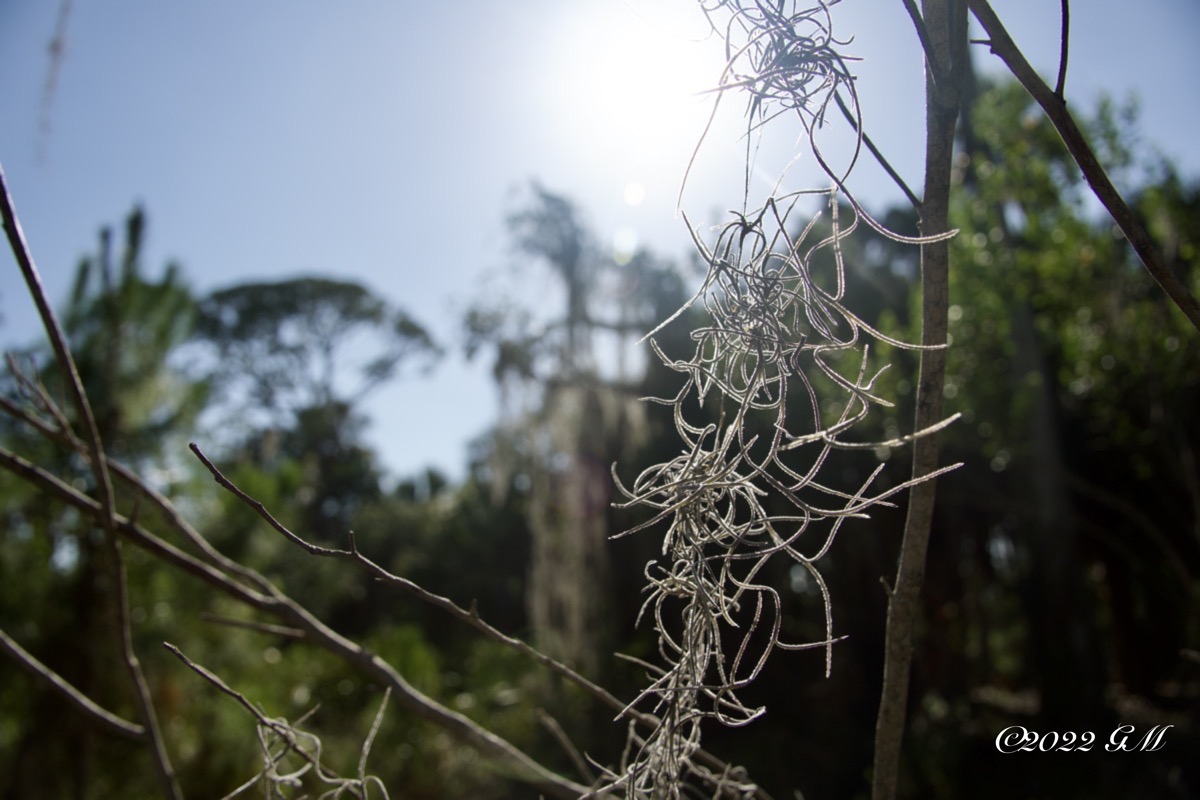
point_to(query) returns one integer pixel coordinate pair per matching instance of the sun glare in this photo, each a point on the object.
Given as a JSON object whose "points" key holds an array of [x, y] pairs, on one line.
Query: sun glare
{"points": [[635, 193], [632, 75], [629, 83]]}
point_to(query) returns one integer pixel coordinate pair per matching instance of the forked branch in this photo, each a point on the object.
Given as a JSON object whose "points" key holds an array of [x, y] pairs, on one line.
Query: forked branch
{"points": [[1056, 110]]}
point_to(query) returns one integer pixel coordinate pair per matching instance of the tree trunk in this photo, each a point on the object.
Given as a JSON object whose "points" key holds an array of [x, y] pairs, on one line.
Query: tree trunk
{"points": [[569, 603]]}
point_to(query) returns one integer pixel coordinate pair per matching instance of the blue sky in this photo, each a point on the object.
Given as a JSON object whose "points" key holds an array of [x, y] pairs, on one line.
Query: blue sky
{"points": [[384, 141]]}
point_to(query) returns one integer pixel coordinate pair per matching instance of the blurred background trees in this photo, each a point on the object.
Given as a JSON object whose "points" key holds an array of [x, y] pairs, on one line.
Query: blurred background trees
{"points": [[1064, 575]]}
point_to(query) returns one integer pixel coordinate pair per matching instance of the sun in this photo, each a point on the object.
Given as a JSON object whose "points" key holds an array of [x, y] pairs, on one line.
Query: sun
{"points": [[632, 79]]}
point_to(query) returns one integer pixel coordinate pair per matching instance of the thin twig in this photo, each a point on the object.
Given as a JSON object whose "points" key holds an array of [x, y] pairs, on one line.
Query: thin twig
{"points": [[104, 487], [883, 162], [133, 667], [923, 34], [564, 741], [1056, 110], [470, 617], [1060, 85], [62, 352], [371, 734], [111, 722], [286, 731], [58, 54], [261, 509], [216, 681], [251, 625]]}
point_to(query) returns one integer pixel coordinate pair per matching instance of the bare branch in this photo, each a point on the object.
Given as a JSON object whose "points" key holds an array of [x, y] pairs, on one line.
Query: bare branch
{"points": [[61, 433], [949, 29], [137, 678], [99, 467], [304, 745], [564, 741], [54, 487], [370, 740], [250, 625], [296, 616], [470, 617], [923, 34], [1056, 110], [110, 721], [1060, 85], [883, 162], [261, 509], [62, 352]]}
